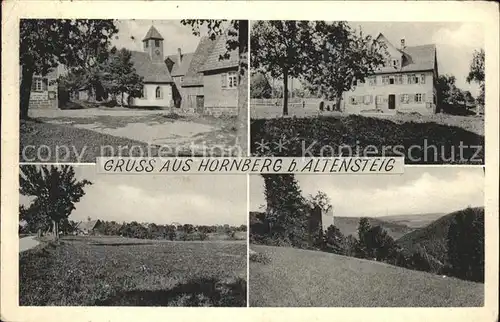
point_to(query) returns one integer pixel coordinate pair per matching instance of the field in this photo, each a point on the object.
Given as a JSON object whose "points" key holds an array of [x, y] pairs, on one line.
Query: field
{"points": [[114, 271], [303, 278], [326, 136]]}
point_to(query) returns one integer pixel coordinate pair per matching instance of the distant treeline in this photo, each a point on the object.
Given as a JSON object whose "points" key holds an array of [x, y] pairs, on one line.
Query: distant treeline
{"points": [[150, 230]]}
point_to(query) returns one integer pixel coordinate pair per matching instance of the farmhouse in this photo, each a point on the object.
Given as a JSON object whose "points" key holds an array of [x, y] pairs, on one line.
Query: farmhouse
{"points": [[44, 90], [200, 82], [88, 227], [406, 83]]}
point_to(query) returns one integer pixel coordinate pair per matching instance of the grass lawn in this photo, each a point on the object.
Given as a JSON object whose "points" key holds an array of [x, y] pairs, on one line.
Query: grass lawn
{"points": [[419, 142], [40, 142], [303, 278], [123, 271]]}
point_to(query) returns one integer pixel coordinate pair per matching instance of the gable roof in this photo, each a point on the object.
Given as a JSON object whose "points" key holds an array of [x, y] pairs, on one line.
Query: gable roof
{"points": [[151, 71], [193, 75], [214, 62], [414, 58], [152, 34], [180, 70], [87, 225]]}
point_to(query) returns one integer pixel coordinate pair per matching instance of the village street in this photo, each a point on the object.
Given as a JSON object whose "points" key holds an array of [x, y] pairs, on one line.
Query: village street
{"points": [[26, 243]]}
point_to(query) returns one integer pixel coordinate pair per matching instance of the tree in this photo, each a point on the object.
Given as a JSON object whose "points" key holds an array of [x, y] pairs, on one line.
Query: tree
{"points": [[476, 74], [321, 200], [55, 191], [379, 244], [287, 210], [47, 43], [260, 87], [237, 39], [449, 95], [279, 48], [363, 228], [466, 245], [341, 56], [335, 240], [121, 76]]}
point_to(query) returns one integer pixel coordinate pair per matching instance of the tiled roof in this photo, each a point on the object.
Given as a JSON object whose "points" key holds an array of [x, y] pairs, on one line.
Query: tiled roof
{"points": [[184, 66], [152, 72], [214, 62], [193, 76], [153, 34], [416, 58]]}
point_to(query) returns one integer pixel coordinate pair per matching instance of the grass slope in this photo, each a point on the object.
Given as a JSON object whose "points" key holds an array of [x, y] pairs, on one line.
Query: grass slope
{"points": [[325, 135], [432, 237], [304, 278], [125, 271]]}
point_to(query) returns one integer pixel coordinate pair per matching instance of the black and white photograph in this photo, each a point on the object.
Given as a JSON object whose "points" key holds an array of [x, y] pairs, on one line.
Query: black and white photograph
{"points": [[411, 240], [122, 240], [91, 88], [411, 89]]}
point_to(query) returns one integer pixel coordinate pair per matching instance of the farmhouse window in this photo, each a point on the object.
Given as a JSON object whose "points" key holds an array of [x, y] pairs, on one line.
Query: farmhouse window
{"points": [[404, 79], [232, 79], [395, 63], [39, 84], [372, 81], [422, 79], [379, 99], [353, 100], [158, 93], [391, 80], [223, 80], [404, 98], [399, 79], [367, 99], [157, 43], [419, 98], [385, 80], [144, 92], [146, 44]]}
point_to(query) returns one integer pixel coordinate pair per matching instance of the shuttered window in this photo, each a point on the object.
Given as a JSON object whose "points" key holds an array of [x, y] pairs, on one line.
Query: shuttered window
{"points": [[223, 80], [38, 85], [422, 79]]}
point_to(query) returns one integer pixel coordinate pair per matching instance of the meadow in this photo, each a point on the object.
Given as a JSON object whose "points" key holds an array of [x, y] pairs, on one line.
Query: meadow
{"points": [[117, 271], [304, 278]]}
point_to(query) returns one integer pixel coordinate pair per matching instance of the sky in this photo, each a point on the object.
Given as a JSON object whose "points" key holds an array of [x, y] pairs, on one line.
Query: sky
{"points": [[420, 190], [176, 35], [194, 199]]}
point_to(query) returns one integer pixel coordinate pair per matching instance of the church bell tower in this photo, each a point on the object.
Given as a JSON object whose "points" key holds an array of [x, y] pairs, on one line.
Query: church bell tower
{"points": [[153, 45]]}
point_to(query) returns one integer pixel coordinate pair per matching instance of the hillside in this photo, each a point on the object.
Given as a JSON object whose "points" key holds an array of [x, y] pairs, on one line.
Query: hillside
{"points": [[304, 278], [413, 221], [349, 226], [433, 236]]}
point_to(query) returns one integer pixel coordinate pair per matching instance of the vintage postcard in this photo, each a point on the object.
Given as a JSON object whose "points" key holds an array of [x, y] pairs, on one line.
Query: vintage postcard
{"points": [[287, 161]]}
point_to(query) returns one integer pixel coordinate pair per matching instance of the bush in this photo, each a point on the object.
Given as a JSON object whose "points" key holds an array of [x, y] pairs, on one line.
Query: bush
{"points": [[259, 257], [359, 132]]}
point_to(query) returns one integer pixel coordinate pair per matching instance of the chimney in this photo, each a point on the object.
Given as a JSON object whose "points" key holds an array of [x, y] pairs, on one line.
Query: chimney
{"points": [[403, 44], [179, 56]]}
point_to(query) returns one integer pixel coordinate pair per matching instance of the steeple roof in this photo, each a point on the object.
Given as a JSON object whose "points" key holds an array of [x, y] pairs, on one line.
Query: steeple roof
{"points": [[153, 34]]}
